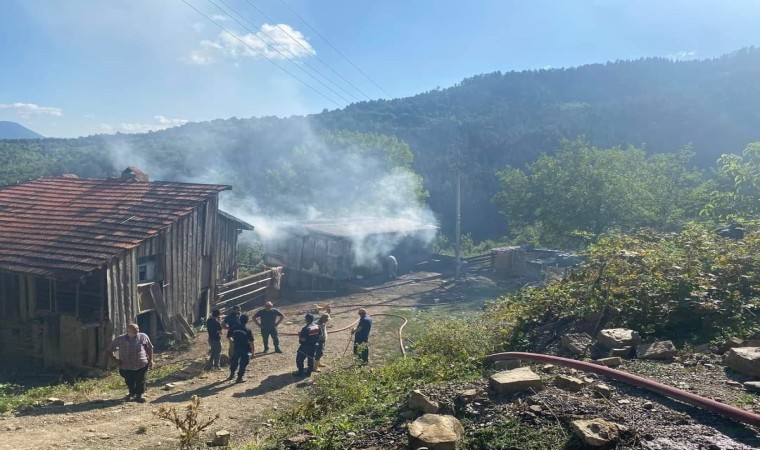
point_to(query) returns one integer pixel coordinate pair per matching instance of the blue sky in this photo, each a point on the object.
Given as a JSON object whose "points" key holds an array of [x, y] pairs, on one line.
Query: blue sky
{"points": [[77, 67]]}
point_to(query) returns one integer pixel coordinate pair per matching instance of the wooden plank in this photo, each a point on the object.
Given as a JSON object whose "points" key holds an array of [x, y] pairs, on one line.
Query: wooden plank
{"points": [[185, 325], [245, 287], [180, 330], [163, 313]]}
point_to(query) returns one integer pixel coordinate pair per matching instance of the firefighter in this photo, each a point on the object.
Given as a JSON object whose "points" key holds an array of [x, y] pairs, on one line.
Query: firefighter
{"points": [[322, 323], [308, 337]]}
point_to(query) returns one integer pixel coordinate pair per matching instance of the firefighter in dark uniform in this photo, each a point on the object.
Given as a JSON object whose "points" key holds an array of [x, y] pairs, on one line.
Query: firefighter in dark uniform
{"points": [[308, 337]]}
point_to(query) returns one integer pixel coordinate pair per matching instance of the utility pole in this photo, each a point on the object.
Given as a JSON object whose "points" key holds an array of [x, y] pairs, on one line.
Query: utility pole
{"points": [[458, 231]]}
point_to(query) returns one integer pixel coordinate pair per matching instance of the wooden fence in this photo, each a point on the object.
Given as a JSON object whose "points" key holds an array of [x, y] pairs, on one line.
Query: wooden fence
{"points": [[248, 292], [479, 263]]}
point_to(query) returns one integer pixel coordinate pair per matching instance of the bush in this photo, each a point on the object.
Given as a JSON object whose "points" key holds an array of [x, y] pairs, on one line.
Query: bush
{"points": [[687, 286]]}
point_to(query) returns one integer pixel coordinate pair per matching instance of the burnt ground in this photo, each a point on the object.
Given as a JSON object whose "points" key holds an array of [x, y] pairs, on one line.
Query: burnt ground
{"points": [[654, 422], [105, 422]]}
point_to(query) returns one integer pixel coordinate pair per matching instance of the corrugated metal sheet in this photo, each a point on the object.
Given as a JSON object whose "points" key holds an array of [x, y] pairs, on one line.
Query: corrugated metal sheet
{"points": [[61, 227]]}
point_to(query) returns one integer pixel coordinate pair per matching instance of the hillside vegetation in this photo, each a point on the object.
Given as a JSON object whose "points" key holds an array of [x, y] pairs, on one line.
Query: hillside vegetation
{"points": [[483, 124]]}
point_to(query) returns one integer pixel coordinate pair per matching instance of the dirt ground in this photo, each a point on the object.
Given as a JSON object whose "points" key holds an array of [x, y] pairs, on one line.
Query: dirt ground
{"points": [[105, 423]]}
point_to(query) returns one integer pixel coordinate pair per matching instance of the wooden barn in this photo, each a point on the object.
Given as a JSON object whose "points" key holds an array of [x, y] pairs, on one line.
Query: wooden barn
{"points": [[81, 258], [320, 254]]}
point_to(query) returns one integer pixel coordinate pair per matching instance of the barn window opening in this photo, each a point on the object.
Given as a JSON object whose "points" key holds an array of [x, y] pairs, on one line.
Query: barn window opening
{"points": [[146, 268], [43, 294]]}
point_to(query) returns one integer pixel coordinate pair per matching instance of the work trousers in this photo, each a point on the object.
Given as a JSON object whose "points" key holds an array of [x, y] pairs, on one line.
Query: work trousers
{"points": [[135, 380], [361, 349], [306, 353], [320, 352], [216, 351], [265, 333], [239, 362]]}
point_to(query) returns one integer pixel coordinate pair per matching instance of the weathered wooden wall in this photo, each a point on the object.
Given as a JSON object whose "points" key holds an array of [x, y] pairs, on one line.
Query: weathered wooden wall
{"points": [[226, 246], [69, 323], [53, 323]]}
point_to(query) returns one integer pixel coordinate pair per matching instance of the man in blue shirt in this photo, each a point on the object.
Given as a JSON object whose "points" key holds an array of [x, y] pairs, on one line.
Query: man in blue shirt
{"points": [[268, 319], [361, 336]]}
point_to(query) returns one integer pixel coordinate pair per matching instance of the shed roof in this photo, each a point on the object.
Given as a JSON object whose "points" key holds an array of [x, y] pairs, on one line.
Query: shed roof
{"points": [[358, 227], [61, 227], [240, 223]]}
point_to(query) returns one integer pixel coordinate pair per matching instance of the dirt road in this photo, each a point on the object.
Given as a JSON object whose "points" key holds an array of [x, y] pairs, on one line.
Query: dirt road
{"points": [[106, 423]]}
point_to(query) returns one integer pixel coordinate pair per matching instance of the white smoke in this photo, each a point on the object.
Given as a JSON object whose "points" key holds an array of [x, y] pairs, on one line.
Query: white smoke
{"points": [[312, 181]]}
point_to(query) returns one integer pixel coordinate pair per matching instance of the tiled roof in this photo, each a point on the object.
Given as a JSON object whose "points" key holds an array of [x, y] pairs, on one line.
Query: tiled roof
{"points": [[61, 227]]}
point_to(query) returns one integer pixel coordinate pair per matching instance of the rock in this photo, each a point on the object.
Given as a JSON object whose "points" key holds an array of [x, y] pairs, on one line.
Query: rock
{"points": [[576, 343], [515, 380], [657, 350], [745, 360], [648, 405], [297, 439], [618, 337], [506, 364], [613, 361], [467, 396], [622, 352], [702, 348], [221, 439], [733, 342], [602, 390], [535, 408], [624, 402], [408, 414], [569, 383], [52, 401], [752, 386], [597, 432], [708, 366], [733, 383], [436, 432], [546, 368], [420, 402]]}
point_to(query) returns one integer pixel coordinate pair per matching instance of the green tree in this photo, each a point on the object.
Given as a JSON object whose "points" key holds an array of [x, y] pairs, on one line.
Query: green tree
{"points": [[737, 190], [568, 198]]}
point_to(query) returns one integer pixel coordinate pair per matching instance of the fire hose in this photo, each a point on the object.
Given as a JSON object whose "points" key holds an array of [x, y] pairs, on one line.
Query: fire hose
{"points": [[729, 411], [400, 330]]}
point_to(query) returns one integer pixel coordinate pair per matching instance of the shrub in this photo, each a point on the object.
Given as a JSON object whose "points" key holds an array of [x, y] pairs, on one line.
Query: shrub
{"points": [[685, 286]]}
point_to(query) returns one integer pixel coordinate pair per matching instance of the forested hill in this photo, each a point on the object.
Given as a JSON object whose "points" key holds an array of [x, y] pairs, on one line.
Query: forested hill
{"points": [[509, 118], [493, 120]]}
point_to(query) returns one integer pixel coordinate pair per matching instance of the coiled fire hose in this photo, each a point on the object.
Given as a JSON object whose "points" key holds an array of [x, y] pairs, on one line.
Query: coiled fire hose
{"points": [[729, 411]]}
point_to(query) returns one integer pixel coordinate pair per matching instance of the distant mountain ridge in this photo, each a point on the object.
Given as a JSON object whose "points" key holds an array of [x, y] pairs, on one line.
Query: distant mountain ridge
{"points": [[13, 130]]}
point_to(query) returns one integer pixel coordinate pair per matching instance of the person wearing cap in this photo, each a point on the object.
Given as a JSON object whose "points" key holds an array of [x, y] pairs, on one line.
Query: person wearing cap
{"points": [[268, 319], [322, 324], [242, 345], [308, 338], [135, 358], [361, 336]]}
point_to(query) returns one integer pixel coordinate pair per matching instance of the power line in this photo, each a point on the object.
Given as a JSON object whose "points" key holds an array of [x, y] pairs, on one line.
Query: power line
{"points": [[261, 54], [253, 33], [272, 42], [334, 48], [297, 41]]}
